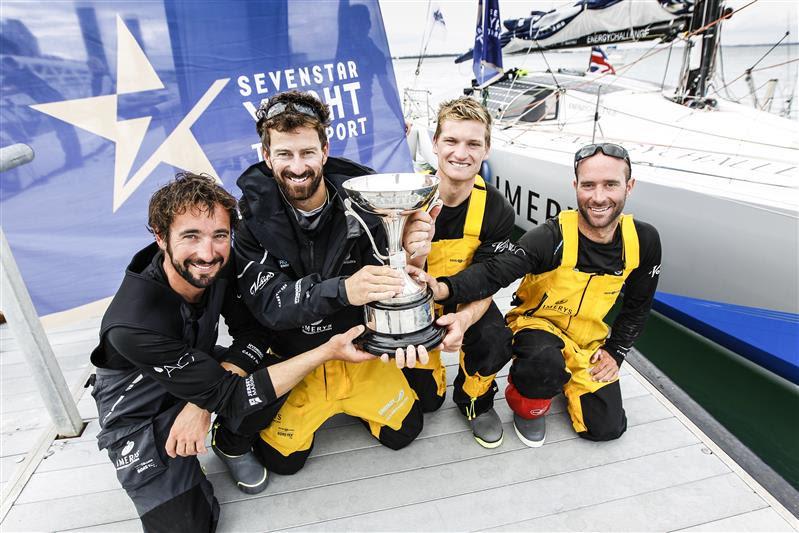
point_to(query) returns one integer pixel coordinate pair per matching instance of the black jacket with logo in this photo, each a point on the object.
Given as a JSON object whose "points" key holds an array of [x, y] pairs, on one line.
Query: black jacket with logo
{"points": [[541, 250], [293, 279], [167, 346]]}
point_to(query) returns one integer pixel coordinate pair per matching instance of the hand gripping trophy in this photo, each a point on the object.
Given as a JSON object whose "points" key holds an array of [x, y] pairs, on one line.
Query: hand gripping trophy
{"points": [[408, 318]]}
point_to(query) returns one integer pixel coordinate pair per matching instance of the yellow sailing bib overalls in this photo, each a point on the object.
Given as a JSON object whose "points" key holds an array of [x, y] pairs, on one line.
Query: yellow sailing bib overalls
{"points": [[372, 391], [572, 305], [447, 258]]}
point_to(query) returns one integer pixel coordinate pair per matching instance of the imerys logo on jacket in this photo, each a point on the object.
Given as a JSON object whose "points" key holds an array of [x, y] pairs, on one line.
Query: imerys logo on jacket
{"points": [[316, 327], [126, 458]]}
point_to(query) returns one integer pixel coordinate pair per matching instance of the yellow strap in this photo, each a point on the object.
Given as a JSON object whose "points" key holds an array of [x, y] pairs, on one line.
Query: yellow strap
{"points": [[631, 249], [569, 232], [477, 207]]}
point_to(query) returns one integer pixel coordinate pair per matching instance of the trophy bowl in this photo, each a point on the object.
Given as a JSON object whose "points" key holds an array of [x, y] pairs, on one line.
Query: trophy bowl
{"points": [[387, 193], [409, 317]]}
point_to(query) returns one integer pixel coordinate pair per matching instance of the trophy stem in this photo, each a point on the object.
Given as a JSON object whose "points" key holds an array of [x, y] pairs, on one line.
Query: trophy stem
{"points": [[394, 225]]}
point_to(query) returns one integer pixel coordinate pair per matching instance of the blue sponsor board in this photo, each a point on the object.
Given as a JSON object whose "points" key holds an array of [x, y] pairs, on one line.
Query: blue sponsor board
{"points": [[115, 97]]}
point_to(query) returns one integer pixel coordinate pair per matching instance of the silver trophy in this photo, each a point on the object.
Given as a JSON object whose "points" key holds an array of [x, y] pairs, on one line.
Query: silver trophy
{"points": [[409, 317]]}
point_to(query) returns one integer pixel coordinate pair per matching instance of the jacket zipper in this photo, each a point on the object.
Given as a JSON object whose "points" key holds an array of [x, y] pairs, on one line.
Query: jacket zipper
{"points": [[582, 297], [531, 312]]}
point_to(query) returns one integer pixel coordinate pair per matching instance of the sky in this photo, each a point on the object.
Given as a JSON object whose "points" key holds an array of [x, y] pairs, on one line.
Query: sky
{"points": [[763, 22]]}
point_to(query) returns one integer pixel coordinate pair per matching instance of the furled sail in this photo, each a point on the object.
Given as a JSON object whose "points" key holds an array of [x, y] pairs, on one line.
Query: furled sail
{"points": [[595, 22]]}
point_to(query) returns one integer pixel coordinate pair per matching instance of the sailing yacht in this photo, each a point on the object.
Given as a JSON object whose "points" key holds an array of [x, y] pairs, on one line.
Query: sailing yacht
{"points": [[719, 180]]}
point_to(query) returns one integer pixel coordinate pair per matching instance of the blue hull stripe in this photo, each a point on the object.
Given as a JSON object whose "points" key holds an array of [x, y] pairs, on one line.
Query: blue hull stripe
{"points": [[765, 337]]}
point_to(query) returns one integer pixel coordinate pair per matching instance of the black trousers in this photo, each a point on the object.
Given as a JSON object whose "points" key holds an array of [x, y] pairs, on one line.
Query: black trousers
{"points": [[486, 349], [170, 494], [539, 370]]}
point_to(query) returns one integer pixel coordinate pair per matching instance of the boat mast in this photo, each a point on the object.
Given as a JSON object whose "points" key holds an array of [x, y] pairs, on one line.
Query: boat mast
{"points": [[693, 86]]}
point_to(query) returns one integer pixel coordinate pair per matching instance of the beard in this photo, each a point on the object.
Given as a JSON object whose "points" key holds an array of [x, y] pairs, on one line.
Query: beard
{"points": [[204, 280], [295, 192], [589, 216]]}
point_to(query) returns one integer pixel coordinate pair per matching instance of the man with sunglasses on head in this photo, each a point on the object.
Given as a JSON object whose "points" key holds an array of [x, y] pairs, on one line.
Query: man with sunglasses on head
{"points": [[305, 271], [574, 267]]}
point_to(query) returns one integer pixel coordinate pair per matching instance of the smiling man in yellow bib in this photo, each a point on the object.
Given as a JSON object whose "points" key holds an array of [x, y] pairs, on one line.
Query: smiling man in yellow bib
{"points": [[474, 223], [574, 267]]}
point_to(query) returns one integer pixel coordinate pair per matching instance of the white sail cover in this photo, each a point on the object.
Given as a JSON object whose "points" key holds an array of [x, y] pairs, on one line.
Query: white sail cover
{"points": [[597, 22]]}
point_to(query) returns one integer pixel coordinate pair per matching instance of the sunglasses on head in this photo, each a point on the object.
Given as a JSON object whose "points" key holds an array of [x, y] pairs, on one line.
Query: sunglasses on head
{"points": [[279, 108], [609, 149]]}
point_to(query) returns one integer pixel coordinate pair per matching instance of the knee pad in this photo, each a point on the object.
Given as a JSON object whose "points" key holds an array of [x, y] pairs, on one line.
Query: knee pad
{"points": [[603, 414], [525, 407], [487, 344], [410, 429], [539, 370], [195, 510], [423, 382], [276, 462]]}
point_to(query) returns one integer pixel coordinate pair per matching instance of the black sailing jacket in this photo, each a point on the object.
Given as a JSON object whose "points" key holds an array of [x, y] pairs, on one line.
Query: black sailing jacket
{"points": [[292, 279]]}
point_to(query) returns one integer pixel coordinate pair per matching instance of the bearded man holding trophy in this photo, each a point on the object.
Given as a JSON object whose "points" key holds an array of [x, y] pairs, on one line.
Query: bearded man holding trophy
{"points": [[310, 266]]}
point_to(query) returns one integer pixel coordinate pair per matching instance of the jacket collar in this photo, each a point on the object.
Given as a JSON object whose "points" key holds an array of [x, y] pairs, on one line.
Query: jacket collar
{"points": [[266, 214]]}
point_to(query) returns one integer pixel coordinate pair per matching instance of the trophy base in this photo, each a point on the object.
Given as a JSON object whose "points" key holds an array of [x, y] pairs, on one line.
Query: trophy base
{"points": [[379, 343]]}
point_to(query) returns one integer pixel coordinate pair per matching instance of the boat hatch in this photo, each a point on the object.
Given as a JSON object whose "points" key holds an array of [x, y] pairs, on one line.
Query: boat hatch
{"points": [[523, 102]]}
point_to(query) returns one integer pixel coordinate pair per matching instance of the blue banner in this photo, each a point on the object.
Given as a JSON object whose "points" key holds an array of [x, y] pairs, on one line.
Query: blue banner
{"points": [[487, 48], [115, 97]]}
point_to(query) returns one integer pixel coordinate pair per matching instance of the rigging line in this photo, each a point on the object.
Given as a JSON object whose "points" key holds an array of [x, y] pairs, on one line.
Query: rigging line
{"points": [[666, 70], [624, 68], [794, 60], [722, 75], [718, 20], [421, 45], [757, 70], [546, 62], [681, 128], [521, 66], [769, 51]]}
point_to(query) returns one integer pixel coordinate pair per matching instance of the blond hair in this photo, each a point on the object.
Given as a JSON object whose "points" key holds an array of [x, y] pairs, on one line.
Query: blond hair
{"points": [[464, 108]]}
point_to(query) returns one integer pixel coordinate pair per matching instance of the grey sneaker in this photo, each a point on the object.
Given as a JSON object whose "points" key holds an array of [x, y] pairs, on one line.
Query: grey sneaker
{"points": [[487, 429], [250, 475], [532, 432]]}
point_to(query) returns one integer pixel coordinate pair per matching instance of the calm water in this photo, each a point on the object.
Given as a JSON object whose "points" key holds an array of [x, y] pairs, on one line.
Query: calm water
{"points": [[444, 79]]}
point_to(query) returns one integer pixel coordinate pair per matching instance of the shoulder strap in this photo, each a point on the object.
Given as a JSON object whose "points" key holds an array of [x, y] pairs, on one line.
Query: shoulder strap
{"points": [[477, 207], [570, 233], [631, 247]]}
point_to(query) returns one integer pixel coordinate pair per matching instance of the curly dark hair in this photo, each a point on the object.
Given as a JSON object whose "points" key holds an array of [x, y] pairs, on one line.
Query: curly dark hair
{"points": [[291, 119], [199, 192]]}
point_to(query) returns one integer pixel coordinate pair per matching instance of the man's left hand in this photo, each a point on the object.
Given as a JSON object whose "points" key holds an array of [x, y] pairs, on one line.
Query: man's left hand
{"points": [[456, 324], [605, 368], [187, 436]]}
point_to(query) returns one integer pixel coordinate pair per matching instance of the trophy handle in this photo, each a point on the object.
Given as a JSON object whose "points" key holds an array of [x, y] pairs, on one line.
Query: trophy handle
{"points": [[436, 200], [350, 212]]}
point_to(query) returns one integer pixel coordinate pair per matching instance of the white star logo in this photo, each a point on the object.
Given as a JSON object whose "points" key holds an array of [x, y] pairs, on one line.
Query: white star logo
{"points": [[98, 115]]}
